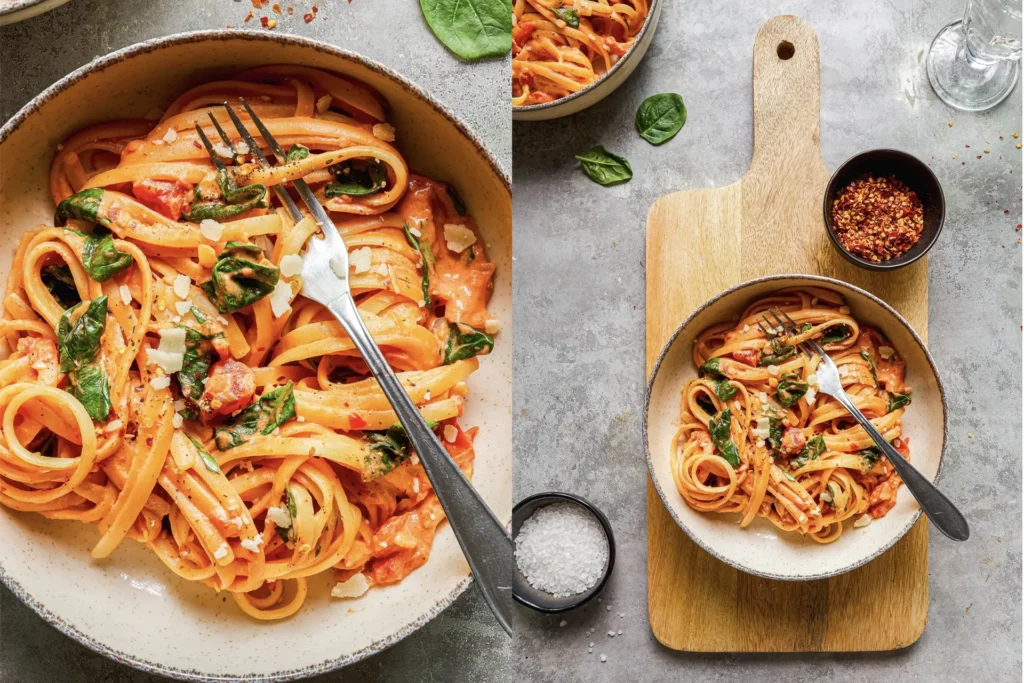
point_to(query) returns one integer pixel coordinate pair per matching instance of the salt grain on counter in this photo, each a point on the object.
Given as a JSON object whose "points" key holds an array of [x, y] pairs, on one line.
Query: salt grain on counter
{"points": [[562, 549]]}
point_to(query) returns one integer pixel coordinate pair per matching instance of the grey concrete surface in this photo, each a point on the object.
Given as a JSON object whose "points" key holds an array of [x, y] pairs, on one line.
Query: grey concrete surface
{"points": [[579, 294], [463, 643]]}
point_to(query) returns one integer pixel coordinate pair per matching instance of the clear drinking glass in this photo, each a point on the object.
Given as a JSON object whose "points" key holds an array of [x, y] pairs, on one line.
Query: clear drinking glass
{"points": [[973, 63]]}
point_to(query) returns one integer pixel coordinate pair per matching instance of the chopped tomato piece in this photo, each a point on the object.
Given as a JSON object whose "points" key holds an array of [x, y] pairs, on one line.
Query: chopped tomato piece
{"points": [[793, 440], [230, 387], [168, 197], [522, 33], [356, 422], [751, 357]]}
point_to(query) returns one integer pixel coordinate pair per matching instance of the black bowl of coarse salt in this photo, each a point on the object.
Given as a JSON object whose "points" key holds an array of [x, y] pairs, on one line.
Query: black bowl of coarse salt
{"points": [[565, 551]]}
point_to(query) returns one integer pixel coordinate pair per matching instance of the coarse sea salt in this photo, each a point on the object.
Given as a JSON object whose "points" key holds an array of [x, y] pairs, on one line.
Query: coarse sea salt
{"points": [[562, 549]]}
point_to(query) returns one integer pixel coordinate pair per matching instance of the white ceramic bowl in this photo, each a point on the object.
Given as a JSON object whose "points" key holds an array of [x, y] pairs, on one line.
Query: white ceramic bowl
{"points": [[130, 607], [602, 87], [13, 11], [761, 548]]}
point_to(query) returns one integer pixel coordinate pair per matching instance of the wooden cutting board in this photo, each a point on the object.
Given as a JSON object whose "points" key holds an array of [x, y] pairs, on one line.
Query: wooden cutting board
{"points": [[700, 242]]}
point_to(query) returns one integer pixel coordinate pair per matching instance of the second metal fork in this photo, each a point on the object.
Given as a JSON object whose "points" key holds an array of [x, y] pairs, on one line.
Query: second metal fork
{"points": [[485, 542], [940, 510]]}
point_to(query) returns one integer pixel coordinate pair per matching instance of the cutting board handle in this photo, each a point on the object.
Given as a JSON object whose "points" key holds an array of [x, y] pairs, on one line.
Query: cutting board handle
{"points": [[786, 95]]}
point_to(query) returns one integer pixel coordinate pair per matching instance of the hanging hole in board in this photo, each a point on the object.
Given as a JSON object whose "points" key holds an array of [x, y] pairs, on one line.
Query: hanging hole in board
{"points": [[785, 50]]}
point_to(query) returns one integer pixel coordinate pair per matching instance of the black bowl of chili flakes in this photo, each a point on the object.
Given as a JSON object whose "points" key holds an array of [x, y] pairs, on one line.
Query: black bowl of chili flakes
{"points": [[884, 209]]}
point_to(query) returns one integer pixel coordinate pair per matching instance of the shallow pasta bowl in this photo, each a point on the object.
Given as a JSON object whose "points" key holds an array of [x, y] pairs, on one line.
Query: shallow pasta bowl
{"points": [[150, 618], [13, 11], [761, 548], [603, 86]]}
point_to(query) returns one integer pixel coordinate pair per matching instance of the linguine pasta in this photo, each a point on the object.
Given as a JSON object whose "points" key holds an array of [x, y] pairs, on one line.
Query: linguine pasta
{"points": [[165, 380], [757, 439]]}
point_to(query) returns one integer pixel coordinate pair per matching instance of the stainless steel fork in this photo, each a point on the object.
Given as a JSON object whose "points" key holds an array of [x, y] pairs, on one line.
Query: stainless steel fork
{"points": [[940, 510], [485, 542]]}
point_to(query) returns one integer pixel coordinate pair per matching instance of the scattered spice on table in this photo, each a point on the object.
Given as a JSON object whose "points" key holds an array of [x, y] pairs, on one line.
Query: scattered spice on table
{"points": [[877, 218], [562, 549]]}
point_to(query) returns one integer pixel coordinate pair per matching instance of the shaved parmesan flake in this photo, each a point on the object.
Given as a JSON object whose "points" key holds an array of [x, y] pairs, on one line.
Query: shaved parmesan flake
{"points": [[161, 382], [415, 232], [177, 421], [360, 259], [126, 294], [171, 352], [353, 588], [813, 379], [886, 352], [773, 370], [492, 326], [291, 265], [323, 104], [338, 267], [281, 299], [181, 285], [863, 520], [458, 237], [179, 404], [115, 425], [763, 428], [170, 136], [221, 552], [242, 147], [450, 433], [810, 396], [223, 150], [183, 307], [211, 229], [252, 544], [280, 517], [384, 131]]}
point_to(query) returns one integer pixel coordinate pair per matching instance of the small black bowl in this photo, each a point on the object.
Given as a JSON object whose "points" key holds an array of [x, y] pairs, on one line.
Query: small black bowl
{"points": [[526, 594], [917, 176]]}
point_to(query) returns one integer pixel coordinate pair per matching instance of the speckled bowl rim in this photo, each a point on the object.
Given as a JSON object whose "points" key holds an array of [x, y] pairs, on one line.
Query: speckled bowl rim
{"points": [[18, 5], [615, 67], [9, 11], [818, 279], [146, 47]]}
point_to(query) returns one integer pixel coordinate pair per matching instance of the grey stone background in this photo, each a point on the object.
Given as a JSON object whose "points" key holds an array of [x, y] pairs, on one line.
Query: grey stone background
{"points": [[579, 293], [463, 643]]}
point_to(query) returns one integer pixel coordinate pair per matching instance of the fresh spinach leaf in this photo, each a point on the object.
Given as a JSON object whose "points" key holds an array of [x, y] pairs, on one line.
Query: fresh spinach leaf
{"points": [[660, 117], [78, 345], [233, 201], [780, 353], [357, 177], [388, 448], [59, 281], [568, 15], [789, 392], [208, 460], [84, 205], [774, 433], [472, 29], [465, 342], [238, 280], [836, 333], [811, 450], [272, 410], [712, 366], [288, 534], [718, 426], [423, 250], [603, 167], [898, 401], [868, 457], [195, 366], [101, 258], [724, 390]]}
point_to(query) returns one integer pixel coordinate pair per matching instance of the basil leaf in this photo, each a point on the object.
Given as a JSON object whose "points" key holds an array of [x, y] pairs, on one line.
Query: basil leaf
{"points": [[465, 342], [296, 152], [660, 117], [898, 401], [836, 333], [718, 426], [811, 450], [208, 460], [196, 363], [239, 281], [603, 167], [59, 281], [724, 390], [868, 457], [357, 177], [78, 345], [426, 261], [84, 205], [101, 258], [712, 366], [568, 15], [789, 392], [460, 206], [472, 29], [272, 410]]}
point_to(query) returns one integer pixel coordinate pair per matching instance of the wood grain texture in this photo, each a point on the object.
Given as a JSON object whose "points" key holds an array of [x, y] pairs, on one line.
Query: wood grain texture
{"points": [[700, 242]]}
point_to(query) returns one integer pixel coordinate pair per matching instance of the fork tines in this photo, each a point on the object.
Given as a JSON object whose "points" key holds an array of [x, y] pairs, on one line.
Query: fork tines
{"points": [[783, 321]]}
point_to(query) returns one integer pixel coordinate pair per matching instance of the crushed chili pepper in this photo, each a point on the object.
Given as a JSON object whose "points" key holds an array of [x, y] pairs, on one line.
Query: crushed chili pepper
{"points": [[877, 218]]}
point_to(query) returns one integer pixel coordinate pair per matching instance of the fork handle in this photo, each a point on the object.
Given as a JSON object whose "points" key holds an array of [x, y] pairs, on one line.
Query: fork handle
{"points": [[940, 510], [485, 542]]}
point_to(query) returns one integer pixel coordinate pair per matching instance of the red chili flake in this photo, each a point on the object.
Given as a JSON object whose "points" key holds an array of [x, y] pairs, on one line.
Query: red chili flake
{"points": [[276, 7], [248, 17], [979, 156], [877, 218], [1000, 137], [258, 4], [1006, 211], [356, 422], [966, 145], [307, 17], [1018, 227], [264, 21]]}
